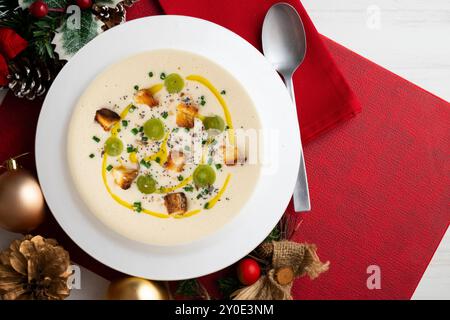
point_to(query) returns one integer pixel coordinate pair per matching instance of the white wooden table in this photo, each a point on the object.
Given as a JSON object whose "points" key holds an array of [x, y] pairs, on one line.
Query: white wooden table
{"points": [[410, 38]]}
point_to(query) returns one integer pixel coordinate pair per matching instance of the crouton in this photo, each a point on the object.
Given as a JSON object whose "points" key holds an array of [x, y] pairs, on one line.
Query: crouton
{"points": [[106, 118], [124, 176], [145, 96], [175, 161], [176, 203], [186, 115], [230, 155]]}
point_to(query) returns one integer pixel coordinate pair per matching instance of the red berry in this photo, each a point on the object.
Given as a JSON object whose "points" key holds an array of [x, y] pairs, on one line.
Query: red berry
{"points": [[248, 271], [84, 4], [38, 9]]}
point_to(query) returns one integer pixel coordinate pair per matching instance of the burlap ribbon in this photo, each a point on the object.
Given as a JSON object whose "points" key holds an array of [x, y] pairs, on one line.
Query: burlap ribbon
{"points": [[299, 258]]}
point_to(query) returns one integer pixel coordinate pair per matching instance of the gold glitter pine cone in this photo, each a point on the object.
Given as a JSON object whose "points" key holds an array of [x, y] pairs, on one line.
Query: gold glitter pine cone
{"points": [[34, 268]]}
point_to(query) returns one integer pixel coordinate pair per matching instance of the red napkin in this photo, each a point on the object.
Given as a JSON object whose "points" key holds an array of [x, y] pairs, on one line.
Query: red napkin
{"points": [[324, 98]]}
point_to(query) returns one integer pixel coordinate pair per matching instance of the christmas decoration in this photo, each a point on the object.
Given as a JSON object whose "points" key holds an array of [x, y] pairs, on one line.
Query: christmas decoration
{"points": [[28, 79], [34, 268], [132, 288], [248, 271], [112, 16], [38, 9], [22, 203], [84, 4], [287, 260], [283, 261], [269, 271], [38, 37], [11, 44]]}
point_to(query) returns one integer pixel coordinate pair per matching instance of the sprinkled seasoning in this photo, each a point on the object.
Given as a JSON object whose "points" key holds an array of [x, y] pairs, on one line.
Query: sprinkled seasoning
{"points": [[96, 139]]}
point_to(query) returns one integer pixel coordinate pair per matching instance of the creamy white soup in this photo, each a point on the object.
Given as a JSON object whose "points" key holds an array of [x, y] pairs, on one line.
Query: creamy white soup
{"points": [[153, 150]]}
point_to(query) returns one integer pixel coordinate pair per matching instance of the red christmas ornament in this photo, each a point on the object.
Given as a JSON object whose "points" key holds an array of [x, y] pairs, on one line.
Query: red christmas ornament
{"points": [[84, 4], [248, 271], [38, 9], [11, 44]]}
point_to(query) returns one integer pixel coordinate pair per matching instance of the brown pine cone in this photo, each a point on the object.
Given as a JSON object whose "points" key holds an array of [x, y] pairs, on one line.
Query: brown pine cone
{"points": [[34, 268], [112, 16], [31, 79]]}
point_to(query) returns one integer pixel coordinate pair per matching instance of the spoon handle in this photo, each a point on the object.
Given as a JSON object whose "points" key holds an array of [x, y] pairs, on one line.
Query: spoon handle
{"points": [[301, 191]]}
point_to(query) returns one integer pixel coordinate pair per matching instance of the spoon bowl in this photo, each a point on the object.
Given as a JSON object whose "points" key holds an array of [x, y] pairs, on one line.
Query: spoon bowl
{"points": [[284, 38]]}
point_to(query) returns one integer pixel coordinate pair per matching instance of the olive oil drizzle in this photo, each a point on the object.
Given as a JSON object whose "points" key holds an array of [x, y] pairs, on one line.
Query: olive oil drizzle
{"points": [[162, 155]]}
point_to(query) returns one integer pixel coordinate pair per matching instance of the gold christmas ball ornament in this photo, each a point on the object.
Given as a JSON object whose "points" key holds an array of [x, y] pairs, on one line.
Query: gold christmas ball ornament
{"points": [[21, 200], [132, 288]]}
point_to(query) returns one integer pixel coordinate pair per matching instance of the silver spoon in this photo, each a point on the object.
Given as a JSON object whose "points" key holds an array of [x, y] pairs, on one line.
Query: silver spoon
{"points": [[284, 45]]}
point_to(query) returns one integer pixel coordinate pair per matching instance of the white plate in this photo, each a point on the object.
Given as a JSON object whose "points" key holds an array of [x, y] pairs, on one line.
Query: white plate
{"points": [[255, 220]]}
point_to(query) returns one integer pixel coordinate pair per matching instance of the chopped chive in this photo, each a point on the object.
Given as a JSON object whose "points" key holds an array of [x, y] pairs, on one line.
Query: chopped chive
{"points": [[180, 178], [223, 92], [145, 163], [202, 102], [162, 76], [132, 108], [125, 123], [134, 131], [137, 206], [150, 74], [158, 159], [109, 167], [131, 149], [203, 142], [96, 139], [218, 166], [141, 129], [165, 114], [188, 188], [136, 87], [91, 155], [206, 206], [199, 196], [144, 139]]}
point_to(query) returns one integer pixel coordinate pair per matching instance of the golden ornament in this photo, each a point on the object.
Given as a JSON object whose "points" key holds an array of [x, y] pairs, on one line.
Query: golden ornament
{"points": [[132, 288], [21, 200], [34, 268]]}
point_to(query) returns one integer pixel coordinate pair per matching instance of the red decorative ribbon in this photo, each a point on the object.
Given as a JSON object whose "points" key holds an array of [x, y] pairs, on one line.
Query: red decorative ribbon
{"points": [[11, 44]]}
